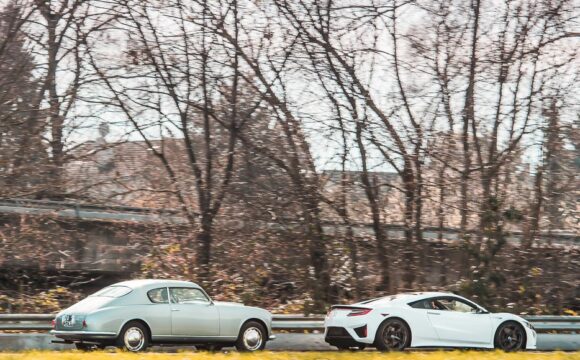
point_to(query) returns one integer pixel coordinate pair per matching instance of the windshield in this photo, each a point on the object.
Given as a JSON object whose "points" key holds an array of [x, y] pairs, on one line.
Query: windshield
{"points": [[113, 291]]}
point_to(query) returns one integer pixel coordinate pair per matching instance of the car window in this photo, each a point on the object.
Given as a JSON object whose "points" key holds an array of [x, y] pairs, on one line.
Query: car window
{"points": [[158, 296], [455, 304], [421, 304], [113, 291], [187, 295]]}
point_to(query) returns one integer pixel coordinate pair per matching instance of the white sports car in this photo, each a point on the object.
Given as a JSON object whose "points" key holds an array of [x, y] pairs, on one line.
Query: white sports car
{"points": [[425, 319]]}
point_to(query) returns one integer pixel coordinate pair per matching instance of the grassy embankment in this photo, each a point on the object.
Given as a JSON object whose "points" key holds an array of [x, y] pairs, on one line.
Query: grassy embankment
{"points": [[448, 355]]}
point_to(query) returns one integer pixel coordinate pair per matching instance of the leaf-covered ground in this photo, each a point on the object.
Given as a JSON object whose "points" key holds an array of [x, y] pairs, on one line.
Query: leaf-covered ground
{"points": [[447, 355]]}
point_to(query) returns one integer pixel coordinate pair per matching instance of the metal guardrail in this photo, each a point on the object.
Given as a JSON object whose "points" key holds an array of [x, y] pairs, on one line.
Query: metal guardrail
{"points": [[294, 322]]}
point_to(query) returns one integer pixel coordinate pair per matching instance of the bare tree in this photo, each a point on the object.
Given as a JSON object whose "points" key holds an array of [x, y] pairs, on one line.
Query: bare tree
{"points": [[175, 84]]}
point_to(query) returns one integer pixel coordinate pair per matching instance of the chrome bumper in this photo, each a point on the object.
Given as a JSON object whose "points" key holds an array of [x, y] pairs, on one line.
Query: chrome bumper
{"points": [[81, 334]]}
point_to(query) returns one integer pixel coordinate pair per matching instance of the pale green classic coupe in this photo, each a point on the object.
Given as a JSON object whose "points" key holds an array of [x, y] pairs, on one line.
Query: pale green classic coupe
{"points": [[138, 313]]}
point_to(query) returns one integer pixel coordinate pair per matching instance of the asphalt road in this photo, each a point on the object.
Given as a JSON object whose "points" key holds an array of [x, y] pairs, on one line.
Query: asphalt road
{"points": [[283, 342]]}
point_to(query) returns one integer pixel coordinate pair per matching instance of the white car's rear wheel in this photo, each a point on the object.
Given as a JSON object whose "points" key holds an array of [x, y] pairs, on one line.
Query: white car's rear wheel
{"points": [[393, 335], [134, 337]]}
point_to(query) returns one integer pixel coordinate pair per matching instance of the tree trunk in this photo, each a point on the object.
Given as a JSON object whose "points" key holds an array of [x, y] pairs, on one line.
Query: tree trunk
{"points": [[372, 197], [409, 248], [318, 258], [203, 256], [55, 119], [422, 250]]}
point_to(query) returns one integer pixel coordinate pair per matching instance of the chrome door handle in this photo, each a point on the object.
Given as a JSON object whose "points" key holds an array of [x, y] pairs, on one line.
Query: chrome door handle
{"points": [[433, 313], [174, 309]]}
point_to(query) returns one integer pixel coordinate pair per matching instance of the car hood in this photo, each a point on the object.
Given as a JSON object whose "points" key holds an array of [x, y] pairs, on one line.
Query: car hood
{"points": [[227, 303], [507, 316], [88, 305]]}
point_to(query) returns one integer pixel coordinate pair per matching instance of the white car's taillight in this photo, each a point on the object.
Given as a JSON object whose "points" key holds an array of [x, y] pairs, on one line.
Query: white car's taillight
{"points": [[359, 312]]}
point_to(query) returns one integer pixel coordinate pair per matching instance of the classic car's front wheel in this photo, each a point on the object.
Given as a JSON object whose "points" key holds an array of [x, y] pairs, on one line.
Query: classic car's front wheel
{"points": [[134, 337], [252, 337]]}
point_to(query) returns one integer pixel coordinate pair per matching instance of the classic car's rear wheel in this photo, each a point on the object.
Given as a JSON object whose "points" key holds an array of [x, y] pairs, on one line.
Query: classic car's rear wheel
{"points": [[134, 337], [252, 337]]}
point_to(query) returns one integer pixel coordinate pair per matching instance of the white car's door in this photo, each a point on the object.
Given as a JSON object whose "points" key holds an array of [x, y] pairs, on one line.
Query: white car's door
{"points": [[457, 323], [192, 313]]}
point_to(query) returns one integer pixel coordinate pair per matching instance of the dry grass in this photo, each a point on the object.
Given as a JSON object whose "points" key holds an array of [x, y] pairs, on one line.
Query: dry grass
{"points": [[447, 355]]}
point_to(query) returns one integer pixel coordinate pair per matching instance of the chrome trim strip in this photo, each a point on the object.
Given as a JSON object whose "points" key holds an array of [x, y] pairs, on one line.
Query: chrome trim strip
{"points": [[195, 337], [82, 332], [272, 337]]}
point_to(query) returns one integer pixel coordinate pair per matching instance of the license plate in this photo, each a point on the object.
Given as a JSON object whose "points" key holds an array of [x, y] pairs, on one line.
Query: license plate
{"points": [[68, 321]]}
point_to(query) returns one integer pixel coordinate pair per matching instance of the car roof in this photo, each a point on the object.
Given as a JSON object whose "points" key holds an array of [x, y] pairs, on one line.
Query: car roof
{"points": [[135, 284], [406, 297]]}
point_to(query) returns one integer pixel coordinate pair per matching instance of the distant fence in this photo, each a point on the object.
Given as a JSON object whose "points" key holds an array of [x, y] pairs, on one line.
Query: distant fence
{"points": [[42, 322]]}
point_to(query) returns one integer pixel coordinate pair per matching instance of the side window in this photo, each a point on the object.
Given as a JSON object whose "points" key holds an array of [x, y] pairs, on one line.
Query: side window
{"points": [[421, 304], [458, 305], [158, 296], [187, 296], [430, 304]]}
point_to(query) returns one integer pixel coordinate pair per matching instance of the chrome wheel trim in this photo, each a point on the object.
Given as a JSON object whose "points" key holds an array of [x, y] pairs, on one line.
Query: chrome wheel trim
{"points": [[395, 336], [511, 337], [252, 338], [134, 339]]}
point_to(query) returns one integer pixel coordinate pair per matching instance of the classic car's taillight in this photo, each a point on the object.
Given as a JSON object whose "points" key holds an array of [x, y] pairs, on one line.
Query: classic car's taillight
{"points": [[53, 323]]}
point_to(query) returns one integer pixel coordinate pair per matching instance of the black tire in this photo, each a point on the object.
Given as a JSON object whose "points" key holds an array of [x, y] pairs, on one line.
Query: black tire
{"points": [[252, 337], [510, 336], [393, 335], [134, 337]]}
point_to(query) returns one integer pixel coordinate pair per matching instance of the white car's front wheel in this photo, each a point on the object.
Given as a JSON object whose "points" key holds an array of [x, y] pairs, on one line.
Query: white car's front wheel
{"points": [[510, 336], [252, 337]]}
